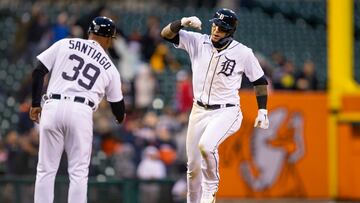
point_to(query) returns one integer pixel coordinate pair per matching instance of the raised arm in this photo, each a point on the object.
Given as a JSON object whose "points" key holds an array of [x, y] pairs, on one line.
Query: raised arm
{"points": [[172, 29]]}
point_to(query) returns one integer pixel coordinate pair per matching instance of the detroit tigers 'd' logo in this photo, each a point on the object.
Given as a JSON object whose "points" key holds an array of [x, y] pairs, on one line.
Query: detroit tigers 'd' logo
{"points": [[227, 67]]}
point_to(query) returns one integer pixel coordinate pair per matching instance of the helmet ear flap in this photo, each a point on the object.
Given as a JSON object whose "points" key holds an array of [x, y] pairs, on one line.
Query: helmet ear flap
{"points": [[231, 33]]}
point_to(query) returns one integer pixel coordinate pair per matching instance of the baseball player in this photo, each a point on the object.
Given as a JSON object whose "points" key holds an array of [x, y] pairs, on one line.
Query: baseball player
{"points": [[218, 63], [81, 75]]}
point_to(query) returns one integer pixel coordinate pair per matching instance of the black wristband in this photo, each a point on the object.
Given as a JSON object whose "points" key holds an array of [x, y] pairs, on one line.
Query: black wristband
{"points": [[118, 110], [176, 26], [261, 101]]}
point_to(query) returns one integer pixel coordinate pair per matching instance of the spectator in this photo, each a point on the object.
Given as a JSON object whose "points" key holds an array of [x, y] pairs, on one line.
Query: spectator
{"points": [[83, 21], [167, 147], [37, 38], [123, 160], [3, 157], [184, 96], [147, 130], [167, 119], [25, 124], [180, 136], [265, 65], [129, 63], [162, 59], [151, 38], [284, 77], [129, 54], [61, 29], [30, 146], [20, 42], [278, 58], [179, 190], [158, 58], [145, 87], [17, 160], [109, 144], [76, 31], [306, 79], [150, 167], [268, 71]]}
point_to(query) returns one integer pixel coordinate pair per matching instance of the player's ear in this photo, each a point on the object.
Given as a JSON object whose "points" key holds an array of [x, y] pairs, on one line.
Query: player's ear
{"points": [[109, 41]]}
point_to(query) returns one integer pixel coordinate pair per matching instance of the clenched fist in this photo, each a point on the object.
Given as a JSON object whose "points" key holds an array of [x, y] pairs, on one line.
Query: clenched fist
{"points": [[193, 22]]}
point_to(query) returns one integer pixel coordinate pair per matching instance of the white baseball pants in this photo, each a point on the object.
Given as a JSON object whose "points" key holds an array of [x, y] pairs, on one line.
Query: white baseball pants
{"points": [[64, 125], [206, 131]]}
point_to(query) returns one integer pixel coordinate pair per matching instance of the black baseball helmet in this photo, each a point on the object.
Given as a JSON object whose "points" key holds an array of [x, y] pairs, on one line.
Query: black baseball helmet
{"points": [[226, 19], [102, 26]]}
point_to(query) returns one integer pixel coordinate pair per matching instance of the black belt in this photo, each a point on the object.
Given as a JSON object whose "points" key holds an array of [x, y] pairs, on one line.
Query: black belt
{"points": [[214, 106], [76, 99]]}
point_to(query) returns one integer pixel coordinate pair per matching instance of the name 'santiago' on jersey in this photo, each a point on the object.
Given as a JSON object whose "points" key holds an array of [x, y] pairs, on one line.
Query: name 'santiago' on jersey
{"points": [[90, 51]]}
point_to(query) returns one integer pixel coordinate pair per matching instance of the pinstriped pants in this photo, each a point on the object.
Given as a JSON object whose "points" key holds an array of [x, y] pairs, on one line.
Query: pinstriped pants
{"points": [[64, 126], [206, 131]]}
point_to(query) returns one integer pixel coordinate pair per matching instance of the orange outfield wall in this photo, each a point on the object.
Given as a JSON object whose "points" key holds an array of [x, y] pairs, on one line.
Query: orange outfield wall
{"points": [[349, 161], [289, 159], [349, 149]]}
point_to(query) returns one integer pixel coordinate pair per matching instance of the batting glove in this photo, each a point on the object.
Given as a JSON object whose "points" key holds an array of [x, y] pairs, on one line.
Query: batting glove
{"points": [[193, 22], [262, 120]]}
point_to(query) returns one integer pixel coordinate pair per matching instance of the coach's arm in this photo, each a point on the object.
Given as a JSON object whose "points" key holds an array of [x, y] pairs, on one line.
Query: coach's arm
{"points": [[37, 84], [118, 110]]}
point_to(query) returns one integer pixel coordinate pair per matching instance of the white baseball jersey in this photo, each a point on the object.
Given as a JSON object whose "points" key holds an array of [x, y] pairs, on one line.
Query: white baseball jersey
{"points": [[83, 69], [216, 80], [217, 75], [78, 68]]}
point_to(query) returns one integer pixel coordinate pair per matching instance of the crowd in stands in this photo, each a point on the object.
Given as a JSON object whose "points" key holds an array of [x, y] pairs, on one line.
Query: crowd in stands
{"points": [[151, 142]]}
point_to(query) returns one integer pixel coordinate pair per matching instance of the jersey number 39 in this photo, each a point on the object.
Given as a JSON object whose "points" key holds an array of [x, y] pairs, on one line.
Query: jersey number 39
{"points": [[90, 72]]}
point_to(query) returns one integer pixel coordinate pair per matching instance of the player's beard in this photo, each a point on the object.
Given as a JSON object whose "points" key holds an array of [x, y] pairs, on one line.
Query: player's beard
{"points": [[223, 42]]}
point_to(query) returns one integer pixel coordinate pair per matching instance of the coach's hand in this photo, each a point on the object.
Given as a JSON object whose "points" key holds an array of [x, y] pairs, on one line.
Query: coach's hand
{"points": [[34, 114], [262, 120], [121, 120], [193, 22]]}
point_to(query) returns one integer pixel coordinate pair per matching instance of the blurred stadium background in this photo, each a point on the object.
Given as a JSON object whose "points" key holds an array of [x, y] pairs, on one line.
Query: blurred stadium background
{"points": [[290, 40]]}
